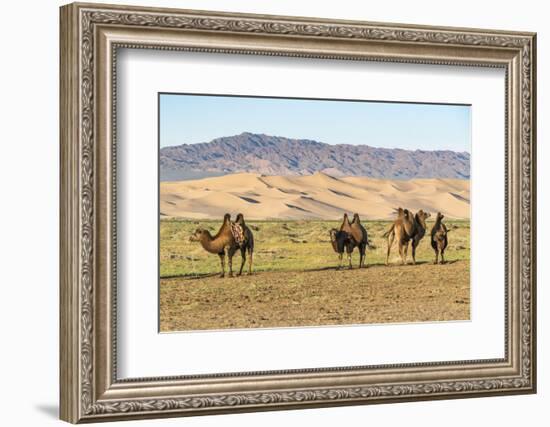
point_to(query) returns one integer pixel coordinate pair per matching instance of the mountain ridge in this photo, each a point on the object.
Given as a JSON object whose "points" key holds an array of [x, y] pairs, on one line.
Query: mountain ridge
{"points": [[277, 155]]}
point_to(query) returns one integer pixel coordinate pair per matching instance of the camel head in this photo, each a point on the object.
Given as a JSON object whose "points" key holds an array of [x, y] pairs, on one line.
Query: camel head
{"points": [[338, 239], [356, 218], [440, 216], [240, 218], [197, 235], [422, 216]]}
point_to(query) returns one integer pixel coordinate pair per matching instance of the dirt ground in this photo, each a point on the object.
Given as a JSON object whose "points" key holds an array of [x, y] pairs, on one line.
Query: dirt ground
{"points": [[377, 294]]}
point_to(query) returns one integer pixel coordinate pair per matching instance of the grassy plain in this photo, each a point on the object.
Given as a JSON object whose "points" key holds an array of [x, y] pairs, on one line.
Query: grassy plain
{"points": [[295, 281]]}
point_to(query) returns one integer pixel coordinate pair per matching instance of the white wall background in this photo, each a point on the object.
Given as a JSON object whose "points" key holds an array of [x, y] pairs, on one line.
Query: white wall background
{"points": [[29, 170]]}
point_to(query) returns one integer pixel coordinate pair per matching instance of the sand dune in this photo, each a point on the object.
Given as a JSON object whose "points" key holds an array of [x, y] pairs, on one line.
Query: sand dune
{"points": [[317, 196]]}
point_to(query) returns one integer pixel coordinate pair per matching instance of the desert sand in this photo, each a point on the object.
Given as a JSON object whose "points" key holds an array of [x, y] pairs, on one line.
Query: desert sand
{"points": [[317, 196]]}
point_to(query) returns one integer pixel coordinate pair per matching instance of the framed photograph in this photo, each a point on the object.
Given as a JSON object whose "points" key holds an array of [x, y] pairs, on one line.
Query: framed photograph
{"points": [[266, 212]]}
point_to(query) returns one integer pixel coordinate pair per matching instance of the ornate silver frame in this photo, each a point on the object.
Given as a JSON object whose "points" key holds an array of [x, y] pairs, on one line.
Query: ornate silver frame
{"points": [[90, 35]]}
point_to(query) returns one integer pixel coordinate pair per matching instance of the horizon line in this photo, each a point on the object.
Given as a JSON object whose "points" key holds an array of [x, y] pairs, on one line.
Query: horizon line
{"points": [[319, 172]]}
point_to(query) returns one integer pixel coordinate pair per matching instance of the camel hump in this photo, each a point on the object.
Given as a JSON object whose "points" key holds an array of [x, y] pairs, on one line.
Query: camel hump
{"points": [[345, 223], [403, 213], [240, 219], [359, 233]]}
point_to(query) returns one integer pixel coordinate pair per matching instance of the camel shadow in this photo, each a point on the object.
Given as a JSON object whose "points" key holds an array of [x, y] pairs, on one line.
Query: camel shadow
{"points": [[453, 261], [195, 276], [201, 276], [379, 265]]}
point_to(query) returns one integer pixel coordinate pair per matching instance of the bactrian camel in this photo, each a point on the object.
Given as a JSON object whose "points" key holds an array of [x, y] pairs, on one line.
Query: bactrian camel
{"points": [[341, 241], [406, 228], [246, 244], [225, 242], [439, 238], [358, 236]]}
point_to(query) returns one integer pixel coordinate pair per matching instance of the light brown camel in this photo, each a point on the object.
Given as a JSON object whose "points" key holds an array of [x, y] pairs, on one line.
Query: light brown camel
{"points": [[439, 238], [247, 244], [223, 242], [407, 227], [358, 236]]}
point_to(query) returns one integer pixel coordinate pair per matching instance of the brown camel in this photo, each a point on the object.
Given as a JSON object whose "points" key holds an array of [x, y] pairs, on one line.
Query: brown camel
{"points": [[358, 236], [439, 238], [341, 242], [407, 227], [223, 242], [247, 243]]}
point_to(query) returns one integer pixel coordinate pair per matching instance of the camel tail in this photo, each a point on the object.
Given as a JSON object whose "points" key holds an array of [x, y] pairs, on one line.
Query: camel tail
{"points": [[387, 233]]}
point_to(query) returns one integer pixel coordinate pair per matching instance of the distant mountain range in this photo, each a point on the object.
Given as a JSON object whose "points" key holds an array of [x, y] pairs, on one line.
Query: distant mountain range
{"points": [[275, 155]]}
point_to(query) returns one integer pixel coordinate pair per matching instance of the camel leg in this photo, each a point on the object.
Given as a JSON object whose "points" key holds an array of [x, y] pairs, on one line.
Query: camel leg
{"points": [[222, 262], [403, 251], [349, 260], [436, 256], [243, 260], [362, 255], [414, 251], [230, 253], [390, 243], [442, 256], [341, 260], [250, 253]]}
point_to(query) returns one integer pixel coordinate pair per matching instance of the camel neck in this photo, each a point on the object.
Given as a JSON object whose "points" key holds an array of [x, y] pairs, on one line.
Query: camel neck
{"points": [[206, 240], [422, 222]]}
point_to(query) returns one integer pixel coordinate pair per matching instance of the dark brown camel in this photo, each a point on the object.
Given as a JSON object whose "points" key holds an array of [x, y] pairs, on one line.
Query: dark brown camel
{"points": [[358, 236], [223, 242], [341, 242], [247, 244], [407, 227], [439, 238]]}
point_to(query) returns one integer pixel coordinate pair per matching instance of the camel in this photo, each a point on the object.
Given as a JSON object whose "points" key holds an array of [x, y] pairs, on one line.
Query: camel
{"points": [[439, 238], [219, 244], [358, 236], [228, 240], [341, 241], [247, 243], [406, 228]]}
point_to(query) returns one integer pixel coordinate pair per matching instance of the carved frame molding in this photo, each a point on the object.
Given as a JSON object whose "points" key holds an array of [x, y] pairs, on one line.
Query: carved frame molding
{"points": [[90, 390]]}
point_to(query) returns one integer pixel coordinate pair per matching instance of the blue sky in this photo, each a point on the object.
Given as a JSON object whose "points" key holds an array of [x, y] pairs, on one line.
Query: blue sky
{"points": [[189, 119]]}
